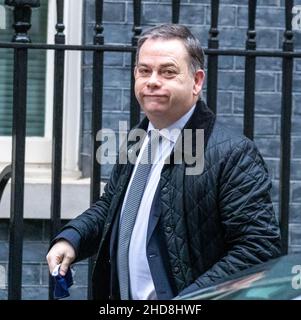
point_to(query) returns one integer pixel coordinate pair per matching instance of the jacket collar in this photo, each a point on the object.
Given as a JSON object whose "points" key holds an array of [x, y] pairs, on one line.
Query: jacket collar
{"points": [[202, 118]]}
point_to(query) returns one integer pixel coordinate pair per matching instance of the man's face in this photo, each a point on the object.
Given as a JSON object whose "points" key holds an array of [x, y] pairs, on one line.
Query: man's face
{"points": [[164, 85]]}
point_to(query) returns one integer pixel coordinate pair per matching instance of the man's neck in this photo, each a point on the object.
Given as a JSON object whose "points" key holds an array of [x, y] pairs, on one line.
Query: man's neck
{"points": [[177, 124], [163, 123]]}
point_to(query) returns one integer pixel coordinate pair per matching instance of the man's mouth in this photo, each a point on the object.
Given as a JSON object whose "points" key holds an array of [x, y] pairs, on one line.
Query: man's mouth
{"points": [[154, 96]]}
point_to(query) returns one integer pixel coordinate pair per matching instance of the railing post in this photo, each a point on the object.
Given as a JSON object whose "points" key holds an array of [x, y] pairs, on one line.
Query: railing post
{"points": [[175, 11], [22, 17], [213, 58], [97, 94], [57, 133], [250, 68], [286, 118], [134, 105]]}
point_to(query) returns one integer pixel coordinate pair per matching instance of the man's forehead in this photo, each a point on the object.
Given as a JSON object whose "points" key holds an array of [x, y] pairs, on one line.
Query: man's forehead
{"points": [[163, 44], [168, 51]]}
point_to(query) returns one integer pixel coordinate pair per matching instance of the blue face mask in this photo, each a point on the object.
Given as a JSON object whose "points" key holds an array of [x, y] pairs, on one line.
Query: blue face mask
{"points": [[62, 283]]}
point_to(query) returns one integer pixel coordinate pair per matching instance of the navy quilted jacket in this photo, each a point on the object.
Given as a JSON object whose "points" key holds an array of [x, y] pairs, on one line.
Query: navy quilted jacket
{"points": [[215, 223]]}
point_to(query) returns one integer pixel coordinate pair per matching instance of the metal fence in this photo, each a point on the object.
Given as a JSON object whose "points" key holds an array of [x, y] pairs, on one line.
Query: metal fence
{"points": [[21, 44]]}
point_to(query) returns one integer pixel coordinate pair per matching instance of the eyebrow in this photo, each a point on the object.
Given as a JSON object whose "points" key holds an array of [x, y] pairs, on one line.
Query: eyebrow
{"points": [[164, 65]]}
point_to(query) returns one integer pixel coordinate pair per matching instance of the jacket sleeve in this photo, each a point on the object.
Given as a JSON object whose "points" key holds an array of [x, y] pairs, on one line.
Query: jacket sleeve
{"points": [[251, 230], [90, 223]]}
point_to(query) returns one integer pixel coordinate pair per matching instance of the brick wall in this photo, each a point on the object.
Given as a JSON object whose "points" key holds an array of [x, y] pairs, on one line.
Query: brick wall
{"points": [[35, 269], [232, 25]]}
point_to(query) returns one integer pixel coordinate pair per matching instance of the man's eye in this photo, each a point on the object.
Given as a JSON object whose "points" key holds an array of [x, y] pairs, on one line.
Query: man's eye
{"points": [[144, 72], [168, 73]]}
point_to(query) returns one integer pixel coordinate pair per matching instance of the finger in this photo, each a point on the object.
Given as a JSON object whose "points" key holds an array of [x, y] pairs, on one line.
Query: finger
{"points": [[53, 261], [65, 265]]}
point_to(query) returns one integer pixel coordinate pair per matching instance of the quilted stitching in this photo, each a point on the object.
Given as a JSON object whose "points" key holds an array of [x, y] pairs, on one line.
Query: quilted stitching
{"points": [[219, 217], [215, 224]]}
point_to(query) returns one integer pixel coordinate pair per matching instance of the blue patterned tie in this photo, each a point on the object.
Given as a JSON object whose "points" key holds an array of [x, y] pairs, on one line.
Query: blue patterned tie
{"points": [[130, 210]]}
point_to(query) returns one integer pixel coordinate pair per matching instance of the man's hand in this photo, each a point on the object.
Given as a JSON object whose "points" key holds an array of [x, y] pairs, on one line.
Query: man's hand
{"points": [[62, 252]]}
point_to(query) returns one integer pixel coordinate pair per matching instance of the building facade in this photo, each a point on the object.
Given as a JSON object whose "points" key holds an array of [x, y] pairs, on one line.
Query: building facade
{"points": [[79, 20]]}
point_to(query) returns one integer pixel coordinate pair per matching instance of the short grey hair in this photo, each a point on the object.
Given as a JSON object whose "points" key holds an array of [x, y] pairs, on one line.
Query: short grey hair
{"points": [[180, 32]]}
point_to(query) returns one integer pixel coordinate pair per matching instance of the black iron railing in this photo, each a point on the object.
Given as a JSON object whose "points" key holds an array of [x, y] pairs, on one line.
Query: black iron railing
{"points": [[285, 135], [57, 132], [213, 57], [21, 44], [22, 17], [97, 94], [250, 69]]}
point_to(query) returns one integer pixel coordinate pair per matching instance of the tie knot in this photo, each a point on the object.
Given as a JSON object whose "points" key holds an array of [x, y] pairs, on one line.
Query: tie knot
{"points": [[150, 151], [153, 135]]}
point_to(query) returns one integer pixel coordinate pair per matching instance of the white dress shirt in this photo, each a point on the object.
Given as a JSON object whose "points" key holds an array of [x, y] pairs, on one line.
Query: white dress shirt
{"points": [[141, 282]]}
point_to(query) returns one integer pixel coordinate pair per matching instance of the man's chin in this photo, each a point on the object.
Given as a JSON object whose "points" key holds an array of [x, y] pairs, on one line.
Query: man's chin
{"points": [[155, 109]]}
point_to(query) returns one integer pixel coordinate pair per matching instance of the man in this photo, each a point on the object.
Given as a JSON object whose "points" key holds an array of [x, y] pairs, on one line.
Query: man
{"points": [[188, 230]]}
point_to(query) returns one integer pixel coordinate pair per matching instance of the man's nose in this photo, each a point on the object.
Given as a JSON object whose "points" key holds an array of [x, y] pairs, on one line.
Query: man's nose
{"points": [[154, 80]]}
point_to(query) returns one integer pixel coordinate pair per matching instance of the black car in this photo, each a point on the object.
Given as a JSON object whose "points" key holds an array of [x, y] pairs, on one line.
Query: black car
{"points": [[278, 279]]}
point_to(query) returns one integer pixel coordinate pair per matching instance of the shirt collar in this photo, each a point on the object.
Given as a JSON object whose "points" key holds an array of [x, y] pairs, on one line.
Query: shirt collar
{"points": [[170, 133]]}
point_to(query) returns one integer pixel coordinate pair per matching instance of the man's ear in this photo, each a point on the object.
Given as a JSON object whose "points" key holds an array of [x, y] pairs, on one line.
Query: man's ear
{"points": [[199, 78]]}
